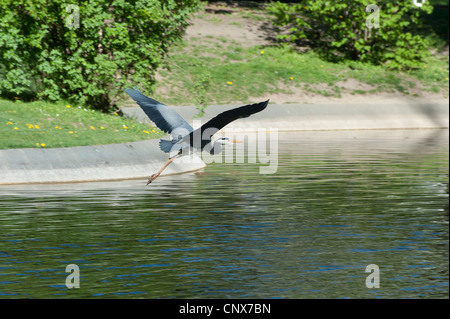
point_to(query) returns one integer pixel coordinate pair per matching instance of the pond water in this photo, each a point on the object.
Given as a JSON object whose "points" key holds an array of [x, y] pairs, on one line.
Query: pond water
{"points": [[338, 202]]}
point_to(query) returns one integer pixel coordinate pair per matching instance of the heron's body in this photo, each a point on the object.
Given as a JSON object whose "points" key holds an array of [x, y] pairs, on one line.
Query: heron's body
{"points": [[184, 137]]}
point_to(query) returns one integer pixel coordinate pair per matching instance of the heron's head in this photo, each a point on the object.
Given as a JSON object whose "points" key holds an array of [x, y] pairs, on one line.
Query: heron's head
{"points": [[222, 141], [227, 141]]}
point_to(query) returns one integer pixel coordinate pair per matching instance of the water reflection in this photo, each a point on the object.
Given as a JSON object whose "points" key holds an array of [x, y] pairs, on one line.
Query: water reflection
{"points": [[338, 202]]}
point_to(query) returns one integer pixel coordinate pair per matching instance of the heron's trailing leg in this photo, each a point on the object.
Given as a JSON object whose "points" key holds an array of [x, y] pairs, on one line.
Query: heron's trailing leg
{"points": [[154, 176]]}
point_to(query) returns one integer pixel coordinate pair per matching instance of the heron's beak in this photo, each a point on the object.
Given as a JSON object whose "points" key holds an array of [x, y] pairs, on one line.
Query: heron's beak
{"points": [[236, 141]]}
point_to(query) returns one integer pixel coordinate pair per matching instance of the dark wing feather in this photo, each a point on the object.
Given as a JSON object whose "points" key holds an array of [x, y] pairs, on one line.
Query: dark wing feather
{"points": [[229, 116], [164, 117], [215, 124]]}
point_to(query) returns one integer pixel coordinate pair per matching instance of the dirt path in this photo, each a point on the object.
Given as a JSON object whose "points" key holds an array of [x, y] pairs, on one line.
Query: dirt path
{"points": [[232, 24]]}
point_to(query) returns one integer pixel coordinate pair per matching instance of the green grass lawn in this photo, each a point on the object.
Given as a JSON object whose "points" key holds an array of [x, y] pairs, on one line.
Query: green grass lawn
{"points": [[233, 74], [42, 124]]}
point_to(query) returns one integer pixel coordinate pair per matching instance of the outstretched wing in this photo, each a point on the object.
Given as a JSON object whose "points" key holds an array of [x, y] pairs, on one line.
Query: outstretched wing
{"points": [[215, 124], [164, 117], [229, 116]]}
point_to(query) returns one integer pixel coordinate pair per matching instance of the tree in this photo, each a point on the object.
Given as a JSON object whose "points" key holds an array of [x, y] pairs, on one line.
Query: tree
{"points": [[86, 52], [345, 30]]}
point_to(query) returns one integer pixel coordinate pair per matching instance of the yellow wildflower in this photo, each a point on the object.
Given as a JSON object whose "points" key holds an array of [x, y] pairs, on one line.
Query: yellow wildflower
{"points": [[67, 105], [262, 52], [16, 128], [10, 123], [92, 128], [146, 132], [291, 78], [36, 126], [230, 83], [102, 128], [125, 127], [43, 144], [70, 132]]}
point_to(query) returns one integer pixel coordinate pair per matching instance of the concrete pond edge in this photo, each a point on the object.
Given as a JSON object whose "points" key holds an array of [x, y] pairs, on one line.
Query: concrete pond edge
{"points": [[140, 159]]}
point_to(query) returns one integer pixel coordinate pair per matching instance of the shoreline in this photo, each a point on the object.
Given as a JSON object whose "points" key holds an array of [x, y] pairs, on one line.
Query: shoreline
{"points": [[88, 163], [139, 159]]}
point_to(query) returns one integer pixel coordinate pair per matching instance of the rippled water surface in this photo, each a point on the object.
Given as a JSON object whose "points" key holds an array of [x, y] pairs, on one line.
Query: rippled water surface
{"points": [[338, 202]]}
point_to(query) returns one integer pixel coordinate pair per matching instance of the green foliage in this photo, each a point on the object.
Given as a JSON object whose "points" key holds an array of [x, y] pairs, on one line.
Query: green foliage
{"points": [[117, 43], [337, 29]]}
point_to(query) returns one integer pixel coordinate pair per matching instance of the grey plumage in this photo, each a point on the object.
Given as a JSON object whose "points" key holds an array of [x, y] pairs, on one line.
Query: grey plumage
{"points": [[183, 135]]}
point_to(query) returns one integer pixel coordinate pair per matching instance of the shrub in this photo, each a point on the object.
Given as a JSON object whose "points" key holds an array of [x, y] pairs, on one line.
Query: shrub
{"points": [[115, 44], [337, 30]]}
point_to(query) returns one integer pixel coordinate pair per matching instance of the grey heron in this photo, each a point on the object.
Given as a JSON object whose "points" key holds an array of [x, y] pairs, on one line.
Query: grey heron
{"points": [[184, 137]]}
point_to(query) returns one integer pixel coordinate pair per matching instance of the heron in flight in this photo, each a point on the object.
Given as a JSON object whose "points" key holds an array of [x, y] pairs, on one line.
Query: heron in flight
{"points": [[184, 137]]}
